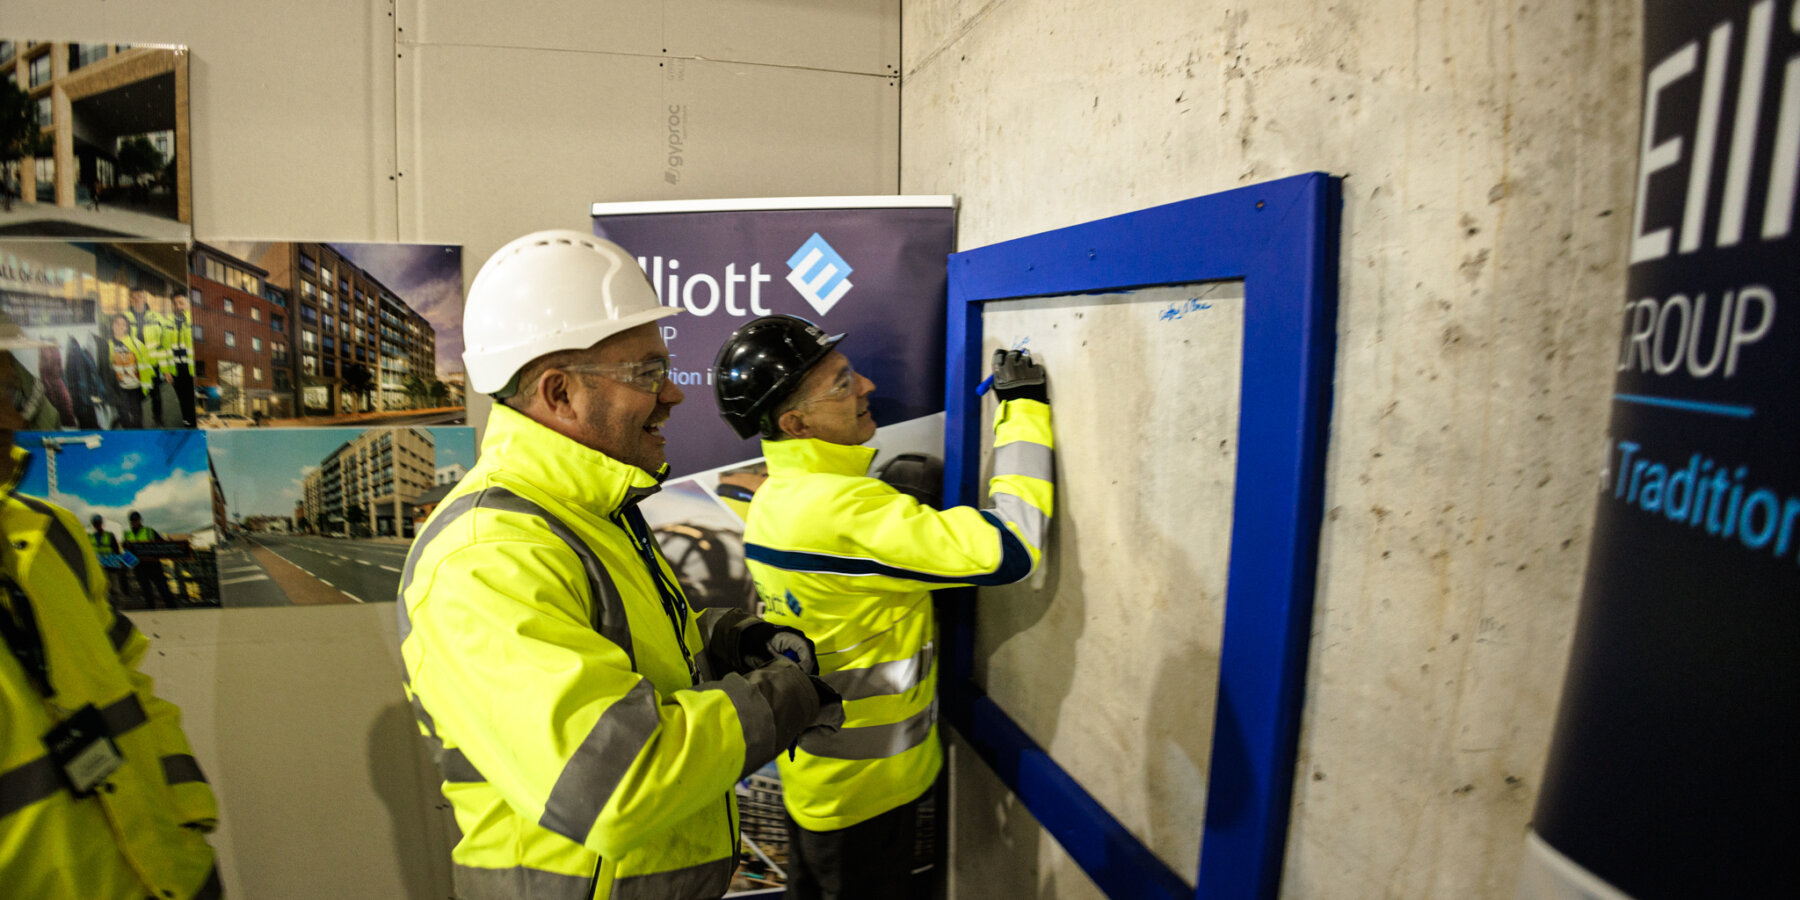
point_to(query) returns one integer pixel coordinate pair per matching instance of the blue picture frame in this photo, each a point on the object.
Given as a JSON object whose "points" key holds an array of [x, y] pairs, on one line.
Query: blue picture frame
{"points": [[1281, 239]]}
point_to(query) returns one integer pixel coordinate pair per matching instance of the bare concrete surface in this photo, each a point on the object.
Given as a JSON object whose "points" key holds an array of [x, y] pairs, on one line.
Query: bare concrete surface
{"points": [[1488, 150]]}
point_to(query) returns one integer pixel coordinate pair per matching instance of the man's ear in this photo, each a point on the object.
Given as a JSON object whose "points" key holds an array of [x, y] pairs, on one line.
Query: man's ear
{"points": [[793, 423], [554, 392]]}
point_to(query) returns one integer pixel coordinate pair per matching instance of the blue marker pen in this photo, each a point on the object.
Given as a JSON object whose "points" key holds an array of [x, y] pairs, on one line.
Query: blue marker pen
{"points": [[982, 388]]}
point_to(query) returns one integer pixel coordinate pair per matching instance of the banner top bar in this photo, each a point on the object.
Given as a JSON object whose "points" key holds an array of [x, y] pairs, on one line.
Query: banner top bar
{"points": [[748, 204]]}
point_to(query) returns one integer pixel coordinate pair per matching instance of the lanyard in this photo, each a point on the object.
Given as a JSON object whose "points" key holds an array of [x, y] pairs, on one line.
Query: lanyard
{"points": [[19, 628], [674, 602]]}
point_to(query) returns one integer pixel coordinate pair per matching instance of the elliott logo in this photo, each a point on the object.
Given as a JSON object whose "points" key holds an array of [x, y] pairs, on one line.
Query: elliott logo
{"points": [[819, 274]]}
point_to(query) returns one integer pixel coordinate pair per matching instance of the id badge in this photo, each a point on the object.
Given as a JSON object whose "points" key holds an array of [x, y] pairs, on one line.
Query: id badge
{"points": [[83, 749]]}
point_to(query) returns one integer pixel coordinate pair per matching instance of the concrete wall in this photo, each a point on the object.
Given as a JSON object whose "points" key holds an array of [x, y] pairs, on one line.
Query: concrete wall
{"points": [[459, 123], [1489, 149]]}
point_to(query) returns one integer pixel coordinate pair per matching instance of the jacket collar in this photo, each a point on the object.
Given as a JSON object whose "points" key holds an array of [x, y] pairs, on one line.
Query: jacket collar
{"points": [[801, 455], [575, 473]]}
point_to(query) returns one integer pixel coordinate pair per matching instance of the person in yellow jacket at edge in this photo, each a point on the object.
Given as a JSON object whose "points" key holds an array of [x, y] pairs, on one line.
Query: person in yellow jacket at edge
{"points": [[851, 561], [100, 795], [589, 725]]}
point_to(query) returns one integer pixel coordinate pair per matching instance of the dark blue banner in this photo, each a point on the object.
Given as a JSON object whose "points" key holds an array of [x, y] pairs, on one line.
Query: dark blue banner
{"points": [[1673, 768], [876, 274]]}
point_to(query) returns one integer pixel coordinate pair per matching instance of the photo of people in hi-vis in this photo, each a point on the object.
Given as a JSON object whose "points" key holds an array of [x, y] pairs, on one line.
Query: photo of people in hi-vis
{"points": [[236, 334], [117, 339]]}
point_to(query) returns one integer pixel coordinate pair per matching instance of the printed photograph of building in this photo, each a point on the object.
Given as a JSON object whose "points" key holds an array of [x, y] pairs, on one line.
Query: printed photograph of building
{"points": [[327, 515], [94, 140], [341, 333]]}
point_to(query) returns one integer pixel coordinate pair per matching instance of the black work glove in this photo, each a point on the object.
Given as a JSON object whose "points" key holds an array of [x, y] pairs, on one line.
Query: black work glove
{"points": [[739, 642], [799, 704], [761, 642], [1016, 377], [831, 709]]}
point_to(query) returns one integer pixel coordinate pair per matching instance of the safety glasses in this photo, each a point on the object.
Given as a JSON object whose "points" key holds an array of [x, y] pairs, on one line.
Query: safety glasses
{"points": [[843, 386], [647, 375]]}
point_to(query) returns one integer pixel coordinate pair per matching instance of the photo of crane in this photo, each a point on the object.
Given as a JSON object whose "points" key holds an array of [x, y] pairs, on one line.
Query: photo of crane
{"points": [[147, 502]]}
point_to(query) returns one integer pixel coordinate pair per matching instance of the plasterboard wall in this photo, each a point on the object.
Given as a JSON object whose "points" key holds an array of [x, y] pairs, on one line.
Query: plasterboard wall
{"points": [[1488, 150], [460, 123]]}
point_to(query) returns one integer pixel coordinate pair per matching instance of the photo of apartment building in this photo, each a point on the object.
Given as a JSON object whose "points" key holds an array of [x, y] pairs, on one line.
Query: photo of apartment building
{"points": [[241, 362], [364, 488], [110, 148], [332, 339]]}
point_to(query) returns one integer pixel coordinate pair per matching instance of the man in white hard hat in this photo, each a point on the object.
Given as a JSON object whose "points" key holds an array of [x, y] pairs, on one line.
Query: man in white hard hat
{"points": [[589, 725]]}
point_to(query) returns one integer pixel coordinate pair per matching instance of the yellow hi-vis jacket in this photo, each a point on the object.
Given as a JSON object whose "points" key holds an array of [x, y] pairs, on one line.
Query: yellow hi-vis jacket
{"points": [[156, 336], [851, 562], [140, 833], [558, 673]]}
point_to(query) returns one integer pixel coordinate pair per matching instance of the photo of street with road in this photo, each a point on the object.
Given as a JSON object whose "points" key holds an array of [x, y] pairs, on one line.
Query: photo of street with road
{"points": [[327, 515]]}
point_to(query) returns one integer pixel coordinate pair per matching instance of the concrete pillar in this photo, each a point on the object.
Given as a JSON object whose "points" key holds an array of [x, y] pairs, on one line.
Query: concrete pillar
{"points": [[1489, 149]]}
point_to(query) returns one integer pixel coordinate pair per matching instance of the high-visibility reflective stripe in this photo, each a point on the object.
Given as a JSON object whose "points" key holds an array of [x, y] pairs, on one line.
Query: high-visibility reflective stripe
{"points": [[708, 879], [451, 762], [448, 514], [456, 767], [24, 785], [124, 715], [520, 882], [873, 741], [60, 538], [120, 632], [212, 889], [1015, 562], [1024, 458], [594, 771], [609, 608], [424, 718], [1031, 521], [182, 768], [882, 679], [753, 716]]}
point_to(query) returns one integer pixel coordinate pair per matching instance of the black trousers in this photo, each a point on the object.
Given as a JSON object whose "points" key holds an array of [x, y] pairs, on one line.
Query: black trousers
{"points": [[870, 860], [184, 394], [153, 585]]}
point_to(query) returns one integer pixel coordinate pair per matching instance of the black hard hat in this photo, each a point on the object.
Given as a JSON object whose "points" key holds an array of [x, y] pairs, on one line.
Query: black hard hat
{"points": [[96, 519], [920, 475], [760, 364]]}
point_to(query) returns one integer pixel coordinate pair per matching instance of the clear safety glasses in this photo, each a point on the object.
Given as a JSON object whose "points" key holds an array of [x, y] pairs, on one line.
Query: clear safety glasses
{"points": [[843, 386], [647, 376]]}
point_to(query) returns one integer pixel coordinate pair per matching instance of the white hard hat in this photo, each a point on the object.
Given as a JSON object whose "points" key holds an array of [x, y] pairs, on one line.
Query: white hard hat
{"points": [[550, 291]]}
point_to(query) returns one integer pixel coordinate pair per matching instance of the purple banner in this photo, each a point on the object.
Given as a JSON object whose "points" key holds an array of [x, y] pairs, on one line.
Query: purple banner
{"points": [[875, 274]]}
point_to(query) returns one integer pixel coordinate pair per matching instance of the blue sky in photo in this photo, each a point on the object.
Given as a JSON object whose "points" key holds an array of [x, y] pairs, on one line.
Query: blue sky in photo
{"points": [[261, 470], [429, 278], [159, 473]]}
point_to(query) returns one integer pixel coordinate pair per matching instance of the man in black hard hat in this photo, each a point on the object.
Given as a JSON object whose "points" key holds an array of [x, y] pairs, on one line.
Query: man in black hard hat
{"points": [[851, 561]]}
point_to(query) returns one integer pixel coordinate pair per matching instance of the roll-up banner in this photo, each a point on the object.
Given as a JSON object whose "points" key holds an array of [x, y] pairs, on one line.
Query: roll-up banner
{"points": [[871, 268], [1674, 770]]}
